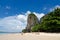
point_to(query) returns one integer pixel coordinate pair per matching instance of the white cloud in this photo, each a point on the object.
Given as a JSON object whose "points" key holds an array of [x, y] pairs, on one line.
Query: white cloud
{"points": [[16, 23], [57, 6], [8, 7], [39, 15], [44, 8], [52, 9], [28, 12]]}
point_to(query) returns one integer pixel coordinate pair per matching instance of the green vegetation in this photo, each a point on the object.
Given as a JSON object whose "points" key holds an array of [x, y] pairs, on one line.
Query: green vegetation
{"points": [[48, 23], [24, 30], [31, 14], [36, 28]]}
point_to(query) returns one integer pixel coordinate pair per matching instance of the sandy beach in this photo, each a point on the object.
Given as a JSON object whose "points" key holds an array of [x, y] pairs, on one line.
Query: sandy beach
{"points": [[31, 36]]}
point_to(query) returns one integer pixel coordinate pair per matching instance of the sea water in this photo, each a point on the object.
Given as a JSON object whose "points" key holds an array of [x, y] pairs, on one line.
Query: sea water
{"points": [[7, 33]]}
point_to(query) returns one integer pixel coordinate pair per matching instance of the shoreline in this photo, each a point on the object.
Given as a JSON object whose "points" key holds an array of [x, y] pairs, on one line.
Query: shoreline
{"points": [[31, 36]]}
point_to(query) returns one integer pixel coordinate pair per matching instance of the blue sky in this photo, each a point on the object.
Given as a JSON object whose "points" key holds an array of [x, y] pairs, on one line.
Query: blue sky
{"points": [[13, 7], [13, 13]]}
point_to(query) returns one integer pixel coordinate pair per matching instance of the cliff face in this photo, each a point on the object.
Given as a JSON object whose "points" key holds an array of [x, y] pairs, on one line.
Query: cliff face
{"points": [[31, 21]]}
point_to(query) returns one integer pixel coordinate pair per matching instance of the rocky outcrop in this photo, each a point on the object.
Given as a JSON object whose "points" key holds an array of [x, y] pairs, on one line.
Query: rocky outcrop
{"points": [[31, 21]]}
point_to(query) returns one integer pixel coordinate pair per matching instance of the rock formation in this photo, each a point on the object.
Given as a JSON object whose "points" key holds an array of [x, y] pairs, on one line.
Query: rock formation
{"points": [[31, 21]]}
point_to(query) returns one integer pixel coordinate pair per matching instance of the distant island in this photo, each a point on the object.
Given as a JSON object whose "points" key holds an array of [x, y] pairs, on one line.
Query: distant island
{"points": [[48, 23]]}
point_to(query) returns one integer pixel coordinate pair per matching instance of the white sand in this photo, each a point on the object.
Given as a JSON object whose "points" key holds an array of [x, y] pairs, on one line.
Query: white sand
{"points": [[31, 36]]}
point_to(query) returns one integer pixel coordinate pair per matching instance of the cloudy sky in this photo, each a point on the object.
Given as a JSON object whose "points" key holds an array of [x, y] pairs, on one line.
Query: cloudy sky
{"points": [[13, 13]]}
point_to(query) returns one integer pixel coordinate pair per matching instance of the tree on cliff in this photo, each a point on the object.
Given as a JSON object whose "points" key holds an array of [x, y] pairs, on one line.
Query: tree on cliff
{"points": [[49, 23]]}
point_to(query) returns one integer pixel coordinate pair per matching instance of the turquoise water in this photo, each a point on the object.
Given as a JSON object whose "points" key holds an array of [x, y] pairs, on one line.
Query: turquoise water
{"points": [[7, 33]]}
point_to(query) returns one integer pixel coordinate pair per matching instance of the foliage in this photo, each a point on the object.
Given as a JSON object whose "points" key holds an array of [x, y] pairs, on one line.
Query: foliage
{"points": [[51, 21], [24, 31], [35, 28]]}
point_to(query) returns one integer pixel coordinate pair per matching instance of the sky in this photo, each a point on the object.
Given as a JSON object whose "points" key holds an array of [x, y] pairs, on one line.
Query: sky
{"points": [[14, 13]]}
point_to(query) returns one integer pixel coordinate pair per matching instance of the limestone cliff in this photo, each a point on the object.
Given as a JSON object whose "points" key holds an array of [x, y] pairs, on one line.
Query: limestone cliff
{"points": [[31, 21]]}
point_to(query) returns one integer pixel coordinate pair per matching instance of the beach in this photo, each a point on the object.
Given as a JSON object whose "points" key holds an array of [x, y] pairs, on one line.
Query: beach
{"points": [[31, 36]]}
